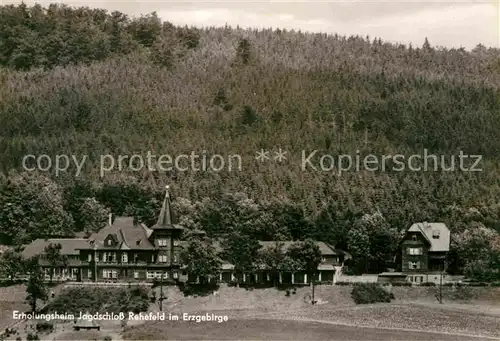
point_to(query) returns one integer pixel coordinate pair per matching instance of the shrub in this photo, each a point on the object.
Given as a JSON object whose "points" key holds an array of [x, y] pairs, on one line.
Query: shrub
{"points": [[365, 293], [115, 300], [107, 338], [342, 283], [461, 292], [32, 337], [478, 284], [43, 327], [192, 289], [428, 284]]}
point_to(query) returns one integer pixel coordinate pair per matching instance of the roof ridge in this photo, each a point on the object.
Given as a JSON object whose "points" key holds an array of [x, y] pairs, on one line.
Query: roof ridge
{"points": [[146, 230], [124, 240], [423, 233], [59, 239]]}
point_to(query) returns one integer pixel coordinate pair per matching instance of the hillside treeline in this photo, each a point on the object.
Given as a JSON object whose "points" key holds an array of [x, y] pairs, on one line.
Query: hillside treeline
{"points": [[84, 82], [33, 206]]}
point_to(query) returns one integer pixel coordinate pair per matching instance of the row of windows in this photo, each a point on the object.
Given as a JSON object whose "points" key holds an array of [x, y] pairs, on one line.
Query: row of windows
{"points": [[111, 257], [73, 272], [414, 251], [416, 279], [156, 274], [164, 242], [107, 273]]}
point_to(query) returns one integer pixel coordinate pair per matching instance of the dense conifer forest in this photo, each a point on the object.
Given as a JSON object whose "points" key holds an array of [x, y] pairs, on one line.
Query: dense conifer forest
{"points": [[81, 81]]}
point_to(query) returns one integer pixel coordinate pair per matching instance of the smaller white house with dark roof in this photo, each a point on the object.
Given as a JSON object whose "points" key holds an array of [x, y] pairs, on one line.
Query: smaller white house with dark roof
{"points": [[424, 249]]}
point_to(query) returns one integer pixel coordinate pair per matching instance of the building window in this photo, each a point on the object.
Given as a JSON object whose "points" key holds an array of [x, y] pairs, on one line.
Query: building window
{"points": [[109, 257], [110, 242], [109, 273], [416, 251], [162, 242], [124, 258], [150, 275], [175, 258], [162, 258], [90, 257], [435, 234], [136, 274], [414, 237], [414, 265], [176, 275], [89, 274], [410, 278], [323, 260]]}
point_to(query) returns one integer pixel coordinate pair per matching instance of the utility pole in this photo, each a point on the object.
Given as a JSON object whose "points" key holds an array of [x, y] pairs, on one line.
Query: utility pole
{"points": [[95, 262], [312, 288], [161, 291], [441, 288]]}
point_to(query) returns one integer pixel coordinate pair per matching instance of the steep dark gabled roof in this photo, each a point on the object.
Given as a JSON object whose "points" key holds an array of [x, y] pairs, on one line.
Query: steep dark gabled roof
{"points": [[167, 218], [127, 234], [440, 244]]}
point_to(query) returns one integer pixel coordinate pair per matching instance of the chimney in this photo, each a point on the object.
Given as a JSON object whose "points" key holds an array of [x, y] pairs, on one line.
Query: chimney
{"points": [[110, 219]]}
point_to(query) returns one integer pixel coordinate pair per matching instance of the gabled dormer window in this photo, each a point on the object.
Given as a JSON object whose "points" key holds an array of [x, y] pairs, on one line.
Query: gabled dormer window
{"points": [[110, 240]]}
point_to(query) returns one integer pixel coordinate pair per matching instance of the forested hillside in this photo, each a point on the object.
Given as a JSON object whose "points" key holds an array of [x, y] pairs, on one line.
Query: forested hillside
{"points": [[87, 82]]}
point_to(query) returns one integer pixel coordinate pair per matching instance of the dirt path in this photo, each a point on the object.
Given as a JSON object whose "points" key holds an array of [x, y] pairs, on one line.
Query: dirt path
{"points": [[479, 337]]}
